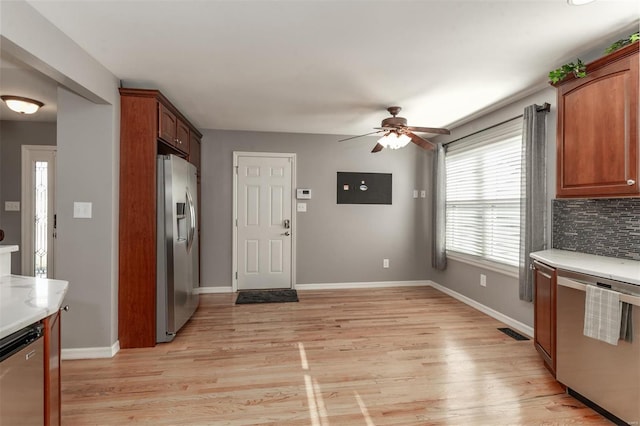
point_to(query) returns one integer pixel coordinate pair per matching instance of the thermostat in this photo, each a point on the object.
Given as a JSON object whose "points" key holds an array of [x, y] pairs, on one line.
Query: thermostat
{"points": [[303, 194]]}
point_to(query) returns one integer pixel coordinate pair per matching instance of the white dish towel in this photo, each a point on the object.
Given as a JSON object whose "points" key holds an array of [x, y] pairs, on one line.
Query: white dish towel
{"points": [[602, 314]]}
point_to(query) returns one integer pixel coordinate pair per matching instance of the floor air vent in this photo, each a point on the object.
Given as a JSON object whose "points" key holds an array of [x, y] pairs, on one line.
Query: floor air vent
{"points": [[509, 332]]}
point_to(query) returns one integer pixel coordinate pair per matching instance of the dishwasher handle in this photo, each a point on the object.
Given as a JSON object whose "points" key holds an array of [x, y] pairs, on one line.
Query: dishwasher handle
{"points": [[18, 340], [577, 285]]}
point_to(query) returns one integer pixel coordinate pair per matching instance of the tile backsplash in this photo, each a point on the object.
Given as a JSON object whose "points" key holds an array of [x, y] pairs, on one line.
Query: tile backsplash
{"points": [[606, 227]]}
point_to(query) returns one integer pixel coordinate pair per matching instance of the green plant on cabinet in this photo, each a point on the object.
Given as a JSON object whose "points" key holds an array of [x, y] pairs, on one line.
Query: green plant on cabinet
{"points": [[578, 68]]}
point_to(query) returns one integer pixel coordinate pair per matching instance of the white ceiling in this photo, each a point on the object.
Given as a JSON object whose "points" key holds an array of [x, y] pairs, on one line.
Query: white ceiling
{"points": [[334, 66]]}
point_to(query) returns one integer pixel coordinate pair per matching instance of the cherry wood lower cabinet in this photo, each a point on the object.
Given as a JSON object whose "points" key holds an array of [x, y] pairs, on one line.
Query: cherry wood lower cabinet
{"points": [[52, 389], [544, 319]]}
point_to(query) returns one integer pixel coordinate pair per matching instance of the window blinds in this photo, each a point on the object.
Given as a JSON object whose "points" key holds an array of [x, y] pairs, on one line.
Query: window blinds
{"points": [[483, 194]]}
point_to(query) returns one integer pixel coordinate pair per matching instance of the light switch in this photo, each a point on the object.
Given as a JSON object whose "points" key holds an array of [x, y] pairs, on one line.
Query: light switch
{"points": [[415, 193], [82, 210], [302, 207], [12, 206]]}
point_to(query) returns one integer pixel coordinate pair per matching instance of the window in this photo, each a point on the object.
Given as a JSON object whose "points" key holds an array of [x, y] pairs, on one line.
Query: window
{"points": [[483, 194]]}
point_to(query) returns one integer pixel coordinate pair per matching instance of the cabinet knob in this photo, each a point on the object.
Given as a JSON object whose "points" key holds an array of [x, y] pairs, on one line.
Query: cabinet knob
{"points": [[66, 308], [631, 182]]}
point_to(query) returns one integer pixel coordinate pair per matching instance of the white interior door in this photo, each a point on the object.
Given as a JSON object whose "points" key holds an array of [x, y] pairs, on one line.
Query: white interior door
{"points": [[264, 222], [38, 215]]}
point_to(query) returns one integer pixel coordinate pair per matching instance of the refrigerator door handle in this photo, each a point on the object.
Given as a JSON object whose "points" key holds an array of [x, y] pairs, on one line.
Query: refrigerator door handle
{"points": [[192, 221]]}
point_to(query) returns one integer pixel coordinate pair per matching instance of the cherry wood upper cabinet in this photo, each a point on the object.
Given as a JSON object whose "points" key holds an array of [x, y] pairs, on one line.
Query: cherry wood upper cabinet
{"points": [[167, 122], [194, 151], [597, 136], [172, 130], [182, 137]]}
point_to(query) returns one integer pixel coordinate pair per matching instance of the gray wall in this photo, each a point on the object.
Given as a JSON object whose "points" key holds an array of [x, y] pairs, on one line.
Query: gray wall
{"points": [[85, 255], [14, 135], [501, 292], [335, 243], [88, 143]]}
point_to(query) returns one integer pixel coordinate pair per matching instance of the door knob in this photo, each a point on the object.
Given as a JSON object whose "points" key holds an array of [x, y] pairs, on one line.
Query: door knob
{"points": [[286, 234]]}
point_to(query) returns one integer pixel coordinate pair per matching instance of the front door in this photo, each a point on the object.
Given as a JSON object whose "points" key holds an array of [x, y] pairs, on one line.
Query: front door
{"points": [[264, 227]]}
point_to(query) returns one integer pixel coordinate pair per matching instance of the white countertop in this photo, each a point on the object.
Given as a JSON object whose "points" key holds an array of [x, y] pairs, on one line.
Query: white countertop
{"points": [[26, 300], [8, 249], [599, 266]]}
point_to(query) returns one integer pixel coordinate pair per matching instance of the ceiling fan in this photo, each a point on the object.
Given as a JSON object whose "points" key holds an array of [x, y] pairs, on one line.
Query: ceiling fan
{"points": [[397, 134]]}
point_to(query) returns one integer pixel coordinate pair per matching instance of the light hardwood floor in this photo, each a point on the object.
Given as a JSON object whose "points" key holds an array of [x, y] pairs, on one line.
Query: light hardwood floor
{"points": [[401, 356]]}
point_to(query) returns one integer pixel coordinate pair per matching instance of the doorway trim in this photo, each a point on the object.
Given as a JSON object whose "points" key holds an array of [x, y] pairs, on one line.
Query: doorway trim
{"points": [[234, 218], [26, 208]]}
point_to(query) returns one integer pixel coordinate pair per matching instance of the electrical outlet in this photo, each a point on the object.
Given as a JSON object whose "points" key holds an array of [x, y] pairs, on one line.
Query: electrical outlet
{"points": [[423, 194], [483, 280], [385, 263]]}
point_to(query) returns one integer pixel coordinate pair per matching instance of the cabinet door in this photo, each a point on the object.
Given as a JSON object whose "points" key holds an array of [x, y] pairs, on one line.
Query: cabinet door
{"points": [[194, 151], [598, 132], [182, 137], [545, 314], [167, 122], [52, 390]]}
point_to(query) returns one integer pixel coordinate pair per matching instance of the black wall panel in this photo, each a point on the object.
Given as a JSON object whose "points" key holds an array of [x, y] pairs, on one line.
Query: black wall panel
{"points": [[364, 188]]}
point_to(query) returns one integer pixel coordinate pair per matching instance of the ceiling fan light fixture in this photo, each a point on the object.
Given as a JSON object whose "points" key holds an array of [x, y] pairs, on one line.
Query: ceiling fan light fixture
{"points": [[394, 140], [22, 105]]}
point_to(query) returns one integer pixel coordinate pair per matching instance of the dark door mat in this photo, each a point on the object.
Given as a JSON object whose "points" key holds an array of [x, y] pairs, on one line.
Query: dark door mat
{"points": [[509, 332], [266, 296]]}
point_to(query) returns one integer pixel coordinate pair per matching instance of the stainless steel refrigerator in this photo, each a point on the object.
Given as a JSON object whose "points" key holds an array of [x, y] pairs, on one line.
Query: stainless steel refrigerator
{"points": [[177, 246]]}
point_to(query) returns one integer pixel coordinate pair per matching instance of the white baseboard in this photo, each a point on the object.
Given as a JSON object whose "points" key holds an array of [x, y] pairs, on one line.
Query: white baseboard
{"points": [[212, 290], [374, 284], [329, 286], [517, 325], [91, 353]]}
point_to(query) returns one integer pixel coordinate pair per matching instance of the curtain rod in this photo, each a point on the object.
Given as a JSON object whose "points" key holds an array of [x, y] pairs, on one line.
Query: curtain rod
{"points": [[546, 107]]}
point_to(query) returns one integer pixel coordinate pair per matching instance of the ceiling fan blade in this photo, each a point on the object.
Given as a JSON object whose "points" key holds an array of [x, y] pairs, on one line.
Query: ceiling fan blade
{"points": [[377, 148], [359, 136], [437, 130], [421, 142]]}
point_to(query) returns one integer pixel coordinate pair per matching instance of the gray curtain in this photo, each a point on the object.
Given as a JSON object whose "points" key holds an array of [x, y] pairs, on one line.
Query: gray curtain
{"points": [[533, 205], [439, 247]]}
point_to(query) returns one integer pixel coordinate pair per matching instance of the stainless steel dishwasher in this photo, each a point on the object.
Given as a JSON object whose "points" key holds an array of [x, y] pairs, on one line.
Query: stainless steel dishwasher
{"points": [[22, 377], [606, 375]]}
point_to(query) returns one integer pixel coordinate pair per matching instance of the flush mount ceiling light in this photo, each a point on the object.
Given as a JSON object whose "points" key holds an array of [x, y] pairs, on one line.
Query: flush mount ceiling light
{"points": [[22, 105], [394, 140], [579, 2]]}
